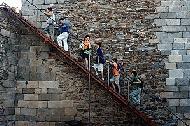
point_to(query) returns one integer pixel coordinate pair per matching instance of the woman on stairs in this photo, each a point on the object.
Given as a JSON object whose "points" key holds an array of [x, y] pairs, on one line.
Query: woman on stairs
{"points": [[86, 50]]}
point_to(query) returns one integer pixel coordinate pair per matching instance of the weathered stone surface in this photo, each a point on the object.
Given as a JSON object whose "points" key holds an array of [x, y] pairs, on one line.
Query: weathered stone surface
{"points": [[30, 97], [48, 84], [170, 81], [173, 102], [178, 46], [175, 58], [170, 65], [27, 111], [182, 81], [178, 73], [184, 102]]}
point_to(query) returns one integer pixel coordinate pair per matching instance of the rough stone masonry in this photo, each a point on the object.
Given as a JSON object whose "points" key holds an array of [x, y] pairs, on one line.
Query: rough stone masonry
{"points": [[152, 36], [41, 90]]}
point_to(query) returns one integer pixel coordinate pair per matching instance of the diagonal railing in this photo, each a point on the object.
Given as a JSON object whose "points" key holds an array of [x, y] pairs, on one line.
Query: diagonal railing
{"points": [[62, 53]]}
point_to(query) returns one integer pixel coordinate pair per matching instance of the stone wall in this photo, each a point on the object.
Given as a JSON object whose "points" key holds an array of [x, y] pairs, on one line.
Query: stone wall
{"points": [[49, 92], [173, 34], [8, 70], [126, 30]]}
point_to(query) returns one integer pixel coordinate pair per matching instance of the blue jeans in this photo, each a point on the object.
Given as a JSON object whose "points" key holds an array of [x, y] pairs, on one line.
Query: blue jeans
{"points": [[135, 96]]}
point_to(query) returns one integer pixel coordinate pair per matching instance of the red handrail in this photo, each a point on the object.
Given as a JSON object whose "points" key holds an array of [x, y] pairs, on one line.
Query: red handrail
{"points": [[147, 120]]}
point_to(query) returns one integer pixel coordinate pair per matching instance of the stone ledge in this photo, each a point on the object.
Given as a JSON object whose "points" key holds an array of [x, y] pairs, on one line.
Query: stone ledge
{"points": [[175, 58], [60, 104], [48, 84]]}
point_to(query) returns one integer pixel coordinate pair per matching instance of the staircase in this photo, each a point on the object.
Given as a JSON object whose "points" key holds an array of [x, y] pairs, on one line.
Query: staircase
{"points": [[61, 53]]}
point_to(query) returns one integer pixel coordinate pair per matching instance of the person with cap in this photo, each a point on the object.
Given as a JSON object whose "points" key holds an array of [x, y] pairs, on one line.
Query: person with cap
{"points": [[100, 60], [136, 86], [49, 29], [116, 74], [64, 28]]}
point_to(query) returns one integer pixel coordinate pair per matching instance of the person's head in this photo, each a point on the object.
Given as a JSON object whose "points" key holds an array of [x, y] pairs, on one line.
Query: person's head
{"points": [[115, 60], [87, 38], [134, 72], [50, 9], [61, 20], [98, 44]]}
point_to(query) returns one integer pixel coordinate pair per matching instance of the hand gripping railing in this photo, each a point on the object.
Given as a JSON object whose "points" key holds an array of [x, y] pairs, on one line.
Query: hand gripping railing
{"points": [[62, 54]]}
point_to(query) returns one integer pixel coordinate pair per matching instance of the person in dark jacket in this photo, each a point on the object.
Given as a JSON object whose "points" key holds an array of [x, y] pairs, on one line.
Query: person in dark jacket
{"points": [[100, 60], [64, 34]]}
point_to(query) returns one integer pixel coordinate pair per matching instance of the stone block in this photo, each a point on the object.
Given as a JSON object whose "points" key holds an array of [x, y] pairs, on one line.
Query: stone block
{"points": [[186, 58], [8, 112], [186, 73], [22, 103], [21, 84], [187, 115], [152, 41], [60, 104], [160, 22], [188, 52], [180, 40], [177, 73], [24, 55], [181, 14], [70, 111], [164, 46], [175, 8], [186, 34], [185, 21], [182, 81], [183, 65], [42, 104], [175, 58], [30, 97], [178, 46], [36, 2], [32, 84], [184, 88], [171, 88], [55, 104], [50, 1], [37, 104], [173, 28], [43, 124], [165, 3], [162, 9], [187, 45], [4, 32], [28, 111], [28, 90], [166, 95], [21, 123], [48, 84], [54, 90], [173, 102], [60, 1], [168, 15], [44, 90], [172, 21], [170, 65], [175, 52], [183, 94], [38, 91], [184, 102], [44, 97], [9, 103], [17, 111]]}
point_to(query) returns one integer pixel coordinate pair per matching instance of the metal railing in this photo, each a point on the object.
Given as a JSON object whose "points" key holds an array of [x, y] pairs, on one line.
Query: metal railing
{"points": [[61, 53]]}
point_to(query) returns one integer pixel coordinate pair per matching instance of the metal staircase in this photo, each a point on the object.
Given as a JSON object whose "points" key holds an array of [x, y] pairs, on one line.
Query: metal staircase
{"points": [[10, 12]]}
